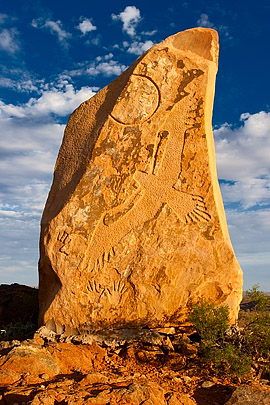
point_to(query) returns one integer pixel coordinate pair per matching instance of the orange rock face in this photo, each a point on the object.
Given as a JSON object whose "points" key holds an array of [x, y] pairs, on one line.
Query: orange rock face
{"points": [[134, 229]]}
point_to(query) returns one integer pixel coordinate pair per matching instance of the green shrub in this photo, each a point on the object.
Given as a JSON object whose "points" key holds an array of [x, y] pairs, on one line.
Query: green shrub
{"points": [[257, 330], [211, 323], [259, 299], [227, 359]]}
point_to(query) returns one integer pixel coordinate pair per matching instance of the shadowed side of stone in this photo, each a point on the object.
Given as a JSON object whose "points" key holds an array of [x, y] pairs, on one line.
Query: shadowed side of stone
{"points": [[134, 229]]}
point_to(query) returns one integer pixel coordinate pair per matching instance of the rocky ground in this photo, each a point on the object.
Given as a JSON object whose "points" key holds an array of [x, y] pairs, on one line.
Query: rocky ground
{"points": [[156, 369]]}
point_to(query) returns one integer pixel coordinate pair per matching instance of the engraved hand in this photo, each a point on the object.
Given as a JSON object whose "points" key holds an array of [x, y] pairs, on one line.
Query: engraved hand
{"points": [[116, 293], [65, 239], [95, 291]]}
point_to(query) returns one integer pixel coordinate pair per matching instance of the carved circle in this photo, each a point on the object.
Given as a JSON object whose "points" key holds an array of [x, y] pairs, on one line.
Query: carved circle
{"points": [[137, 102]]}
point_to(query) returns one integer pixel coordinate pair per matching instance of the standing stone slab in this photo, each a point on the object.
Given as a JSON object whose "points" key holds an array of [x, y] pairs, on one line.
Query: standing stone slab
{"points": [[134, 229]]}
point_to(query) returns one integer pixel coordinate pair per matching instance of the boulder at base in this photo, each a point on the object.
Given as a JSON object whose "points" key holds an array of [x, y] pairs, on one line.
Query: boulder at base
{"points": [[134, 229]]}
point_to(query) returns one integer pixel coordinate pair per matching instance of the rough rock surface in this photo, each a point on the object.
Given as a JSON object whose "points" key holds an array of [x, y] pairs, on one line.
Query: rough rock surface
{"points": [[48, 372], [134, 229], [40, 371], [249, 396]]}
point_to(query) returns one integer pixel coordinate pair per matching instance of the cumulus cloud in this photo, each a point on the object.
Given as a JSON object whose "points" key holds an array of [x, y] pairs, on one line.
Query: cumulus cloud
{"points": [[242, 154], [243, 159], [130, 18], [106, 68], [86, 26], [103, 65], [250, 235], [20, 235], [9, 40], [20, 85], [138, 47], [58, 99], [249, 193], [28, 150], [55, 27], [138, 44], [31, 142], [28, 153]]}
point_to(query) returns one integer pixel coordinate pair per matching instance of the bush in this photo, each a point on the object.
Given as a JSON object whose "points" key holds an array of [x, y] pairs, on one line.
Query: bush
{"points": [[259, 299], [257, 330], [227, 360], [211, 323]]}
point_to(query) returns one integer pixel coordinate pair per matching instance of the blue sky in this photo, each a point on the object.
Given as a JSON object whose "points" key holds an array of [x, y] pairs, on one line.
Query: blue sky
{"points": [[56, 54]]}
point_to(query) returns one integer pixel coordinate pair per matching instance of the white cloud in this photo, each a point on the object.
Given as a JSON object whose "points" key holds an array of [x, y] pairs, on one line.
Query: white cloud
{"points": [[149, 33], [55, 27], [104, 65], [19, 235], [29, 145], [130, 18], [243, 159], [242, 155], [29, 153], [137, 47], [203, 21], [60, 99], [105, 57], [111, 68], [20, 85], [249, 193], [223, 30], [94, 41], [250, 230], [250, 235], [9, 40], [86, 26]]}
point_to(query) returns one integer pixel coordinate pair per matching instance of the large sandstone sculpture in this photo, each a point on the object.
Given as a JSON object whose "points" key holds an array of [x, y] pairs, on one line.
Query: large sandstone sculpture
{"points": [[134, 229]]}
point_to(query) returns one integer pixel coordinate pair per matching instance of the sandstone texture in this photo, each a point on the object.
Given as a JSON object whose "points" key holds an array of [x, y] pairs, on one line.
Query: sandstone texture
{"points": [[134, 229], [44, 371]]}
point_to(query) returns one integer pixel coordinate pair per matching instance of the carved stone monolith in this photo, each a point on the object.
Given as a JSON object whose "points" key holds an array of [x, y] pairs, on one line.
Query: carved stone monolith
{"points": [[134, 229]]}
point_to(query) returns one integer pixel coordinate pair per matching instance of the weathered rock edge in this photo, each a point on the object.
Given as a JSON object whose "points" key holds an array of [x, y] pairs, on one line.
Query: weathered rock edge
{"points": [[134, 229]]}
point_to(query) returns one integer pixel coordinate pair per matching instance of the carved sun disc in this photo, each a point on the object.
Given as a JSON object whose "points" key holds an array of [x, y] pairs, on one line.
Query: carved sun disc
{"points": [[137, 102]]}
